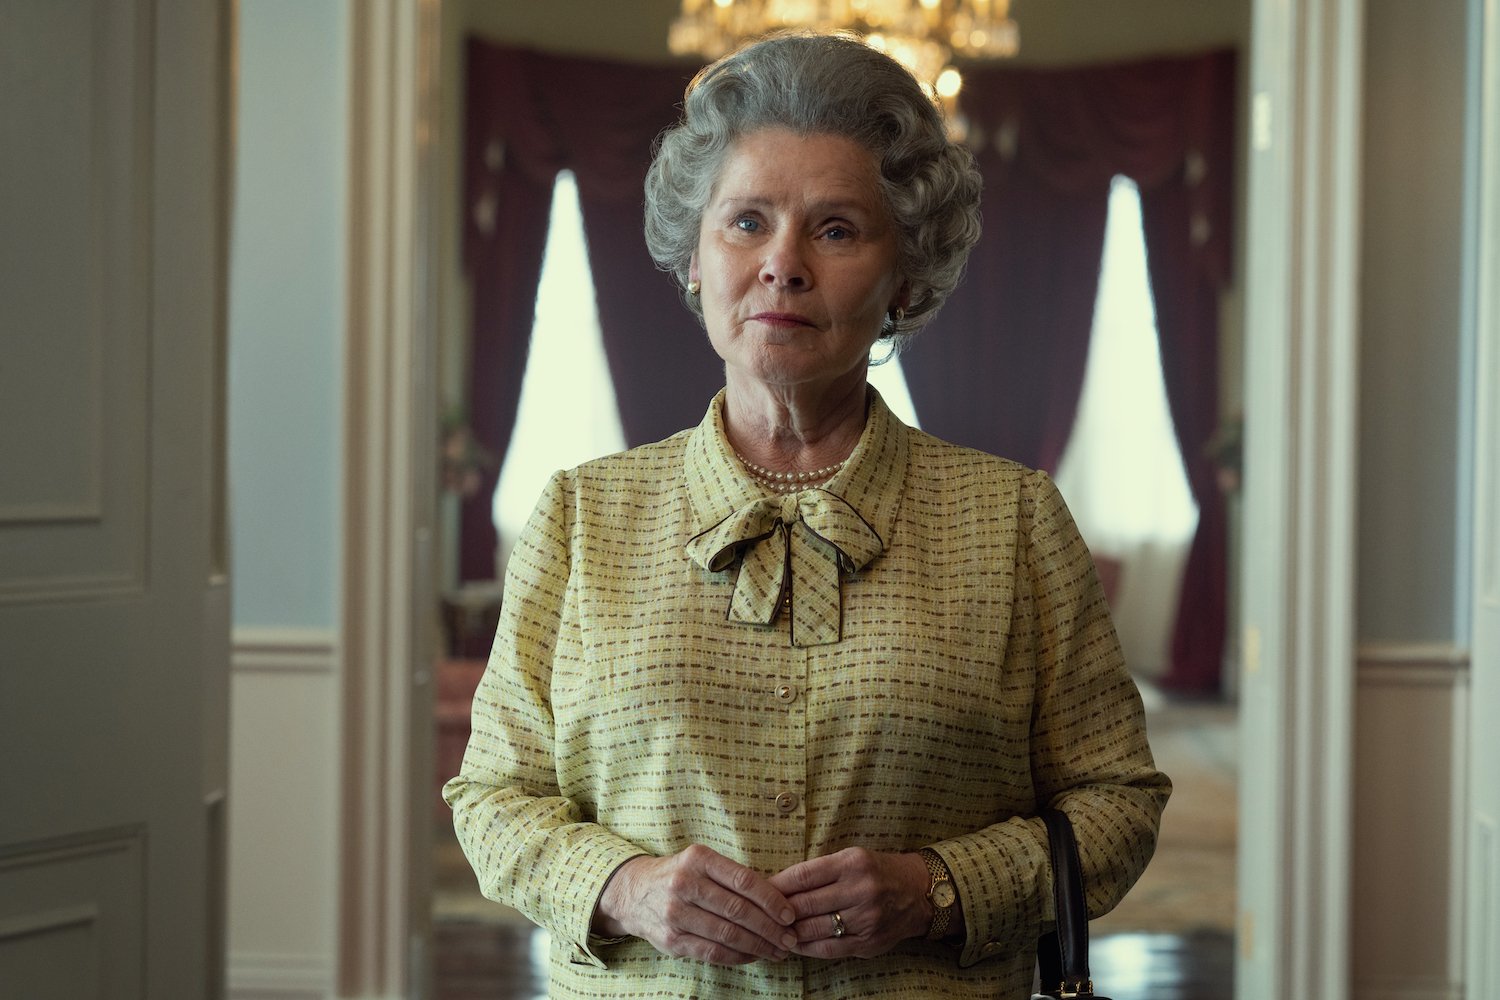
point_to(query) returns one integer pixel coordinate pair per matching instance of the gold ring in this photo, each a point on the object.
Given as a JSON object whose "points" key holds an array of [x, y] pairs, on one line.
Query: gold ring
{"points": [[838, 924]]}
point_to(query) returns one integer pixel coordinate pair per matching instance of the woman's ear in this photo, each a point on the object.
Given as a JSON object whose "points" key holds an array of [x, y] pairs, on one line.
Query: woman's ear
{"points": [[693, 267], [903, 297]]}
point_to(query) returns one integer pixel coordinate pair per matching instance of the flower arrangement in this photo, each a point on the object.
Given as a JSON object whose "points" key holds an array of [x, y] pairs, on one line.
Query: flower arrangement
{"points": [[464, 460]]}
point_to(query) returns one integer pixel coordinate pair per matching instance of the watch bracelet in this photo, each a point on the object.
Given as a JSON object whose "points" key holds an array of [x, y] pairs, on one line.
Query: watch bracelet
{"points": [[938, 871]]}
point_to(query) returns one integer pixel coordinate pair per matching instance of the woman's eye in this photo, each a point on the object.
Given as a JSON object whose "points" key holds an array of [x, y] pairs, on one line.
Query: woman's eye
{"points": [[746, 225], [836, 233]]}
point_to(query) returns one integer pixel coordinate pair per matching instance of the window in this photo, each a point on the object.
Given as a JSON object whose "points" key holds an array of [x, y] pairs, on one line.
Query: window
{"points": [[567, 414], [1122, 473]]}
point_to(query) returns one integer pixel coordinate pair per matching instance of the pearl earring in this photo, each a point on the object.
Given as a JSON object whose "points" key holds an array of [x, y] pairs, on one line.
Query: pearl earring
{"points": [[694, 286]]}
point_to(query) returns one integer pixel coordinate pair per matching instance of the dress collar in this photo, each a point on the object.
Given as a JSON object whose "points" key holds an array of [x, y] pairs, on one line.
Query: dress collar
{"points": [[871, 481]]}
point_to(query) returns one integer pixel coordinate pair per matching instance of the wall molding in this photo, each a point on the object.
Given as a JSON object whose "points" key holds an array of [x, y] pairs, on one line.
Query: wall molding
{"points": [[284, 651], [1419, 664], [268, 976]]}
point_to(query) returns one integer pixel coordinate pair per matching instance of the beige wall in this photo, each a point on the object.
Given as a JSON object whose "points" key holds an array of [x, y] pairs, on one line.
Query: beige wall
{"points": [[287, 290], [1411, 702], [1412, 294]]}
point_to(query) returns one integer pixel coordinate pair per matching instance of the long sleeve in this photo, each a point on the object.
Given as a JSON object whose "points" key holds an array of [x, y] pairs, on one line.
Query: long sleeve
{"points": [[1088, 749], [531, 847]]}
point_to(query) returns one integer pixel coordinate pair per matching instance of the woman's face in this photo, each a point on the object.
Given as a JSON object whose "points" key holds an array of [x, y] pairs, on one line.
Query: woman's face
{"points": [[797, 259]]}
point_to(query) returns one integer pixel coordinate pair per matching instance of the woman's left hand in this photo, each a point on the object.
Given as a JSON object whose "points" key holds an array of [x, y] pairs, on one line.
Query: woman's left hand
{"points": [[856, 903]]}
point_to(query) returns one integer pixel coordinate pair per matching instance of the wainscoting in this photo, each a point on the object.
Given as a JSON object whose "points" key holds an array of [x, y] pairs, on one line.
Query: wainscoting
{"points": [[283, 843], [1409, 817]]}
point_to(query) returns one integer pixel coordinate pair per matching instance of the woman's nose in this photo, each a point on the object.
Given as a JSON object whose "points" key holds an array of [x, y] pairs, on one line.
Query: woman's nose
{"points": [[784, 265]]}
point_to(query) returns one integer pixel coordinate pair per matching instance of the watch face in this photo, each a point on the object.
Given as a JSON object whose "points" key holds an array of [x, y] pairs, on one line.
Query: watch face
{"points": [[942, 895]]}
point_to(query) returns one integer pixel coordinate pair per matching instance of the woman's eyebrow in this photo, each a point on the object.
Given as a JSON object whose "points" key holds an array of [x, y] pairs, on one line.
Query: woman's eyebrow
{"points": [[825, 206]]}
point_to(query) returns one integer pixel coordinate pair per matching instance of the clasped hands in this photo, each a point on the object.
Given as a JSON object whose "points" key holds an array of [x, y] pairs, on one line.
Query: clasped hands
{"points": [[699, 904]]}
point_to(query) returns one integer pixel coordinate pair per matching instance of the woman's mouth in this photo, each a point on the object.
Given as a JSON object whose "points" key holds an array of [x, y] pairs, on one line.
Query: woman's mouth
{"points": [[781, 319]]}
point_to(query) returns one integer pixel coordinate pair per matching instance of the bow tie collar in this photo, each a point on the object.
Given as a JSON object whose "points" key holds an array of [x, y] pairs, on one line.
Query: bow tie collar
{"points": [[792, 551]]}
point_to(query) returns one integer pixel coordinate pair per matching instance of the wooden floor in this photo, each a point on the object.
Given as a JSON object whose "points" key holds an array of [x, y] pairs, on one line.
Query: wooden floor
{"points": [[491, 961]]}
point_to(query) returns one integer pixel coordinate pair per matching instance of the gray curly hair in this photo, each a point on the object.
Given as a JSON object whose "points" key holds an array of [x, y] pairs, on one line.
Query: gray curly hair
{"points": [[833, 85]]}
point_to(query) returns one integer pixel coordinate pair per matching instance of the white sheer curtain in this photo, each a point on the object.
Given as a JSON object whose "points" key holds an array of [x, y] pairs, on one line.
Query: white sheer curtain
{"points": [[1121, 473], [567, 412]]}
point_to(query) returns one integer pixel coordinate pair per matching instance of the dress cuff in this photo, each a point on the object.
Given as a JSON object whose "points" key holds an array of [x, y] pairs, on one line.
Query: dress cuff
{"points": [[999, 875], [585, 946]]}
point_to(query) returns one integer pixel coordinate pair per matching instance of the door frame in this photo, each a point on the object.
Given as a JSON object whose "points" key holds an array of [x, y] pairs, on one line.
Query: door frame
{"points": [[1298, 579], [389, 502], [1298, 649]]}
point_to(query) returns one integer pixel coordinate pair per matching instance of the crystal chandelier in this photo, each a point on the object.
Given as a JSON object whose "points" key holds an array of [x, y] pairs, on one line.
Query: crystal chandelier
{"points": [[923, 35]]}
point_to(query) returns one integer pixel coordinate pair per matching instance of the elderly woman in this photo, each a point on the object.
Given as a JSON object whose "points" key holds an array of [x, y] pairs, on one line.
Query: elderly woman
{"points": [[773, 702]]}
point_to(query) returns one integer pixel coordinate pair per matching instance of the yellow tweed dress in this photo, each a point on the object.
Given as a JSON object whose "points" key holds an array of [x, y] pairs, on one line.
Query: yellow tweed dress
{"points": [[969, 675]]}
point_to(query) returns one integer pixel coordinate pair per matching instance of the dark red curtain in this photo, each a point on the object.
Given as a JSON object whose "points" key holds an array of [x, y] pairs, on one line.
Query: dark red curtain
{"points": [[1186, 217], [663, 368], [1001, 368], [507, 202], [528, 116]]}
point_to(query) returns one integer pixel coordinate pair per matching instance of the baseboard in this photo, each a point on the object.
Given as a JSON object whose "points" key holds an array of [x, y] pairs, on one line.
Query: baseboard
{"points": [[280, 977]]}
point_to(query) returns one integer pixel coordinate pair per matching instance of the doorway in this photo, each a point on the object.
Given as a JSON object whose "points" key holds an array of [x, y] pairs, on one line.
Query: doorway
{"points": [[1274, 914], [1191, 729]]}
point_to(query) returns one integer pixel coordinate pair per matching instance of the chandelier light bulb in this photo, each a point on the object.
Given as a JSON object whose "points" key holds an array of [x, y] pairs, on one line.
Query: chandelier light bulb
{"points": [[948, 84], [922, 35]]}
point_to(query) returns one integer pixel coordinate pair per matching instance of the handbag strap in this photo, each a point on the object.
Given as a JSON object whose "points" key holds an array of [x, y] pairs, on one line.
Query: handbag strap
{"points": [[1063, 955]]}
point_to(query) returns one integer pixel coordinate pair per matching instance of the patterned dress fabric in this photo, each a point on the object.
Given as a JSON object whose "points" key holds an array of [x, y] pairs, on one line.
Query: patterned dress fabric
{"points": [[916, 655]]}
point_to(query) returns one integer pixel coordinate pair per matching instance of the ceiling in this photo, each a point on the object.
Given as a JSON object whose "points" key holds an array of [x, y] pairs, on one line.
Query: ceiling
{"points": [[1052, 31]]}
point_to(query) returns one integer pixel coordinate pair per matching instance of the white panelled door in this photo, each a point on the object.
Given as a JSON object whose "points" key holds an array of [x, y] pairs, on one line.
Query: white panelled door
{"points": [[113, 600], [1482, 924]]}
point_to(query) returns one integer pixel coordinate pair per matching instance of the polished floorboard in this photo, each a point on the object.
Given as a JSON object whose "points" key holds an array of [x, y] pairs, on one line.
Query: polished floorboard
{"points": [[494, 961]]}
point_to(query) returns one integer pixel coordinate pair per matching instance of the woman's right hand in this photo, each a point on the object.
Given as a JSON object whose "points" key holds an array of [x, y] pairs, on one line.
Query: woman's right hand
{"points": [[697, 904]]}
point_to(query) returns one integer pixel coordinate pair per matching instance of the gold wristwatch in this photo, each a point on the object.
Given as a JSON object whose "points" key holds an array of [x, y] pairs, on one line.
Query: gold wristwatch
{"points": [[940, 893]]}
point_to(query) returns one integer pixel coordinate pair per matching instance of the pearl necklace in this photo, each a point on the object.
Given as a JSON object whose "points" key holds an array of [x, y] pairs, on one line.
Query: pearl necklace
{"points": [[790, 482]]}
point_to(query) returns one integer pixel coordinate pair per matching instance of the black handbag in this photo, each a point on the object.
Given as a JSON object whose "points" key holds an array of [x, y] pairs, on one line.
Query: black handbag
{"points": [[1063, 956]]}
